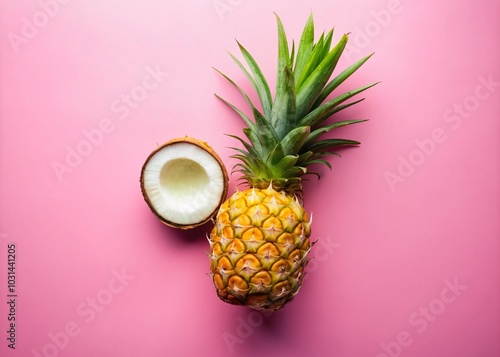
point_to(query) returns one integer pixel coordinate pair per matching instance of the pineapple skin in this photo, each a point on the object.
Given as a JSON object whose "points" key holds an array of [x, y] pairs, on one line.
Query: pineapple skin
{"points": [[259, 247]]}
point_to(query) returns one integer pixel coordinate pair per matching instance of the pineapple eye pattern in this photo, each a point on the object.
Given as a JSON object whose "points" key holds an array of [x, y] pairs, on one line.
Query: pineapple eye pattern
{"points": [[272, 265]]}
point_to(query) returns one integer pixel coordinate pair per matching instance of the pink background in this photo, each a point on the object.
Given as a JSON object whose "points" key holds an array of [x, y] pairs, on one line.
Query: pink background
{"points": [[410, 213]]}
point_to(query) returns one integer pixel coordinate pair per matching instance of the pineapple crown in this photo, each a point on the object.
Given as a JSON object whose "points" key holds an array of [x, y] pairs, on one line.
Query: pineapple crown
{"points": [[285, 138]]}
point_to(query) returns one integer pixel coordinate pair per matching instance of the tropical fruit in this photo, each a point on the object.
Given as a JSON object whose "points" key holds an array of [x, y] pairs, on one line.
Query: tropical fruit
{"points": [[184, 182], [261, 238]]}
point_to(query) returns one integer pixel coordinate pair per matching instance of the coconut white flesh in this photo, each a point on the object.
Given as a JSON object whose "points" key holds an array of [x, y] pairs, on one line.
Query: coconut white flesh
{"points": [[184, 183]]}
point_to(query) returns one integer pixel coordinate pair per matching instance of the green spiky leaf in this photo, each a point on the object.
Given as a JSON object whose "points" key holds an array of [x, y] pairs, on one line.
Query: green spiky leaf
{"points": [[258, 80], [324, 129], [286, 136], [312, 62], [283, 116], [338, 80], [326, 110], [305, 47], [314, 84], [283, 54], [294, 140], [332, 143]]}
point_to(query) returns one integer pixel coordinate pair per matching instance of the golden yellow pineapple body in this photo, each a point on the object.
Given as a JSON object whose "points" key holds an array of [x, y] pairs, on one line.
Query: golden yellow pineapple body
{"points": [[259, 248]]}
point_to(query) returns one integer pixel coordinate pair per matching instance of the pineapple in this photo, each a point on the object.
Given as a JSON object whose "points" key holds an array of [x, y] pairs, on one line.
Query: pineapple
{"points": [[260, 242]]}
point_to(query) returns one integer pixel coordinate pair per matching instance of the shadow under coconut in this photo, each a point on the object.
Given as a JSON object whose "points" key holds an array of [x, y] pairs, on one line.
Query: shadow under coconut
{"points": [[182, 238]]}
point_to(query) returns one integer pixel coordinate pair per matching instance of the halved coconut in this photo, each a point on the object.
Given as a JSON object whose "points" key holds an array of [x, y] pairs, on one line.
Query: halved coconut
{"points": [[184, 182]]}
